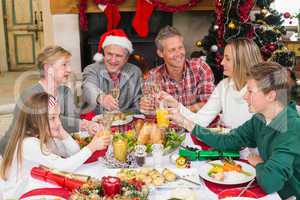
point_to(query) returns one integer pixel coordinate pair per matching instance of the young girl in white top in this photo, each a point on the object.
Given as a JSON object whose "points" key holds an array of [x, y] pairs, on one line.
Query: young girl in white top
{"points": [[239, 56], [38, 138]]}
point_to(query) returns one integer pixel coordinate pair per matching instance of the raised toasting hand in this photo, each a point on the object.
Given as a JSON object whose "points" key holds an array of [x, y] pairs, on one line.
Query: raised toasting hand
{"points": [[99, 143]]}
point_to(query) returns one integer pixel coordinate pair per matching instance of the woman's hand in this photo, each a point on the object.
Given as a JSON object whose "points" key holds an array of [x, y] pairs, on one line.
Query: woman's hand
{"points": [[99, 143], [168, 100], [176, 117], [254, 159]]}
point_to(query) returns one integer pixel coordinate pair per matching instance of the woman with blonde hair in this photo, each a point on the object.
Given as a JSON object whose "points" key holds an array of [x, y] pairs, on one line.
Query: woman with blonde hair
{"points": [[54, 66], [239, 55], [38, 138]]}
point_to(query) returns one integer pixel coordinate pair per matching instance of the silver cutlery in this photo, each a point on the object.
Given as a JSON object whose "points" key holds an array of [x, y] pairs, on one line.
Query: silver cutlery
{"points": [[246, 187], [188, 180]]}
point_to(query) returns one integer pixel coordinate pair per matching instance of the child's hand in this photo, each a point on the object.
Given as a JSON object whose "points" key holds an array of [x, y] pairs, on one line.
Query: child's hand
{"points": [[99, 143], [254, 159], [90, 126]]}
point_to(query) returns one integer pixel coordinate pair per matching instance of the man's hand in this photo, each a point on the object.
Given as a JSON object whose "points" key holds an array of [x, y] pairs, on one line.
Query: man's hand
{"points": [[254, 159], [108, 102]]}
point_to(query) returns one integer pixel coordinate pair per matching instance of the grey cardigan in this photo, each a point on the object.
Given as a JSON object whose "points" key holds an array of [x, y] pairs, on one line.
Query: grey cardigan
{"points": [[96, 80], [69, 113]]}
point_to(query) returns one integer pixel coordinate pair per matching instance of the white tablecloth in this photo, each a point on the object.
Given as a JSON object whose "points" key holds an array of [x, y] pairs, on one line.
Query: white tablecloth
{"points": [[98, 170]]}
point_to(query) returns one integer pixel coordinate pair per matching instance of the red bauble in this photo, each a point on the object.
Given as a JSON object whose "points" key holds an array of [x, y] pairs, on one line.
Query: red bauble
{"points": [[272, 47], [287, 15]]}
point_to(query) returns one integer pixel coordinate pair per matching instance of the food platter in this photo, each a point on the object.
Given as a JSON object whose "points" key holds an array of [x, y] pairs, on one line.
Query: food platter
{"points": [[158, 178], [208, 173], [118, 119]]}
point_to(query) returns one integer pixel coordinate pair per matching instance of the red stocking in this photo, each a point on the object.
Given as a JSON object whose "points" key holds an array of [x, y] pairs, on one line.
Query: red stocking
{"points": [[143, 12], [113, 16]]}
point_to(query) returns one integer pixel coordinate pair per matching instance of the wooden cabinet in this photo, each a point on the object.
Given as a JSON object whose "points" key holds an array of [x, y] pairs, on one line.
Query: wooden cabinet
{"points": [[70, 6], [293, 46]]}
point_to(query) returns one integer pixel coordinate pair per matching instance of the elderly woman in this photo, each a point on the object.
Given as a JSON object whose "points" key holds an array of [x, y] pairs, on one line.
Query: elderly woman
{"points": [[273, 130], [55, 69]]}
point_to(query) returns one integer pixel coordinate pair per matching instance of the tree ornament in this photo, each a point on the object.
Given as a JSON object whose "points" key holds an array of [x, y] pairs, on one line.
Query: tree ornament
{"points": [[231, 25], [264, 11], [199, 43], [216, 27], [287, 15], [214, 48]]}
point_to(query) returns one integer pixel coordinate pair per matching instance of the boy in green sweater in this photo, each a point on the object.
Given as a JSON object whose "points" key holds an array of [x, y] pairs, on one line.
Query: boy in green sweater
{"points": [[273, 130]]}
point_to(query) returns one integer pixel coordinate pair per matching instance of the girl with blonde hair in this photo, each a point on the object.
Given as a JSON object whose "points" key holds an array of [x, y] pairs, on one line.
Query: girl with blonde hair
{"points": [[38, 138], [239, 55]]}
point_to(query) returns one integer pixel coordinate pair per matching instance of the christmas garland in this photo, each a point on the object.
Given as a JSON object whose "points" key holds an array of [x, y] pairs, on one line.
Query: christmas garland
{"points": [[167, 8], [105, 2]]}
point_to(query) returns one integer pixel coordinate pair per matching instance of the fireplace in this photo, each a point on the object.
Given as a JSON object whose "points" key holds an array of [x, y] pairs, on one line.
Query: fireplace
{"points": [[144, 54]]}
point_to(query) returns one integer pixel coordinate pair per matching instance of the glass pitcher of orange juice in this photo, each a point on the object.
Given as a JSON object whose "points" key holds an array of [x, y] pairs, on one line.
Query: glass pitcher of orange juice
{"points": [[162, 116]]}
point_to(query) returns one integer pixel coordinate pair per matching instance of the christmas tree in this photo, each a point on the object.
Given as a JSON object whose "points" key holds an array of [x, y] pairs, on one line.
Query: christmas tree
{"points": [[233, 20]]}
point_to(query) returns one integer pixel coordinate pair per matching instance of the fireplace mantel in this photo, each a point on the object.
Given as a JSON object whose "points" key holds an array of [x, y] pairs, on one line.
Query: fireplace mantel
{"points": [[70, 6]]}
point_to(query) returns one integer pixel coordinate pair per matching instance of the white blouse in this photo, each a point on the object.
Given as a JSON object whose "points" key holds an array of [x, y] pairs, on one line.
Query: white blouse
{"points": [[32, 156], [226, 99]]}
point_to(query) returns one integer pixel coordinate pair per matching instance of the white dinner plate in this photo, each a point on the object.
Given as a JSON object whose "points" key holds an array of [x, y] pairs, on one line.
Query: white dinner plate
{"points": [[128, 119], [229, 176], [237, 198], [43, 197], [139, 116]]}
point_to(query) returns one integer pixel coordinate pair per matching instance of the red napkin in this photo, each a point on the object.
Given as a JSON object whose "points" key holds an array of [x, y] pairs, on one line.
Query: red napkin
{"points": [[94, 157], [200, 143], [48, 176], [218, 188], [88, 116], [61, 192]]}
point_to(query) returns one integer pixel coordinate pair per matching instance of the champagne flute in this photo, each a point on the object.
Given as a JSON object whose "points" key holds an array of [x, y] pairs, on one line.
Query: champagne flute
{"points": [[115, 92]]}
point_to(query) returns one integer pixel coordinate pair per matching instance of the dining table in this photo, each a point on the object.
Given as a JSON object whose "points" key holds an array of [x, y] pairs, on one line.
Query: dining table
{"points": [[98, 169]]}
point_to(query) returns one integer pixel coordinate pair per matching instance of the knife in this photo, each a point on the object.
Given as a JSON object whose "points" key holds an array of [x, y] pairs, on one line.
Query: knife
{"points": [[188, 180]]}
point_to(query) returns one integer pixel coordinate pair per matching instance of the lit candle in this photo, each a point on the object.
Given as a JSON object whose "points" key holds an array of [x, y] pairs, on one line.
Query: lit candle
{"points": [[111, 185]]}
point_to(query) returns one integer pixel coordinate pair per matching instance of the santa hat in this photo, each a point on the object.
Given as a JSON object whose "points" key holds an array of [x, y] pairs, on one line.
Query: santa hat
{"points": [[115, 36]]}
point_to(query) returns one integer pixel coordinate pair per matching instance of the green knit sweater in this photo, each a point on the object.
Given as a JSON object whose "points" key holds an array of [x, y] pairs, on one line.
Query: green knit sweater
{"points": [[278, 144]]}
